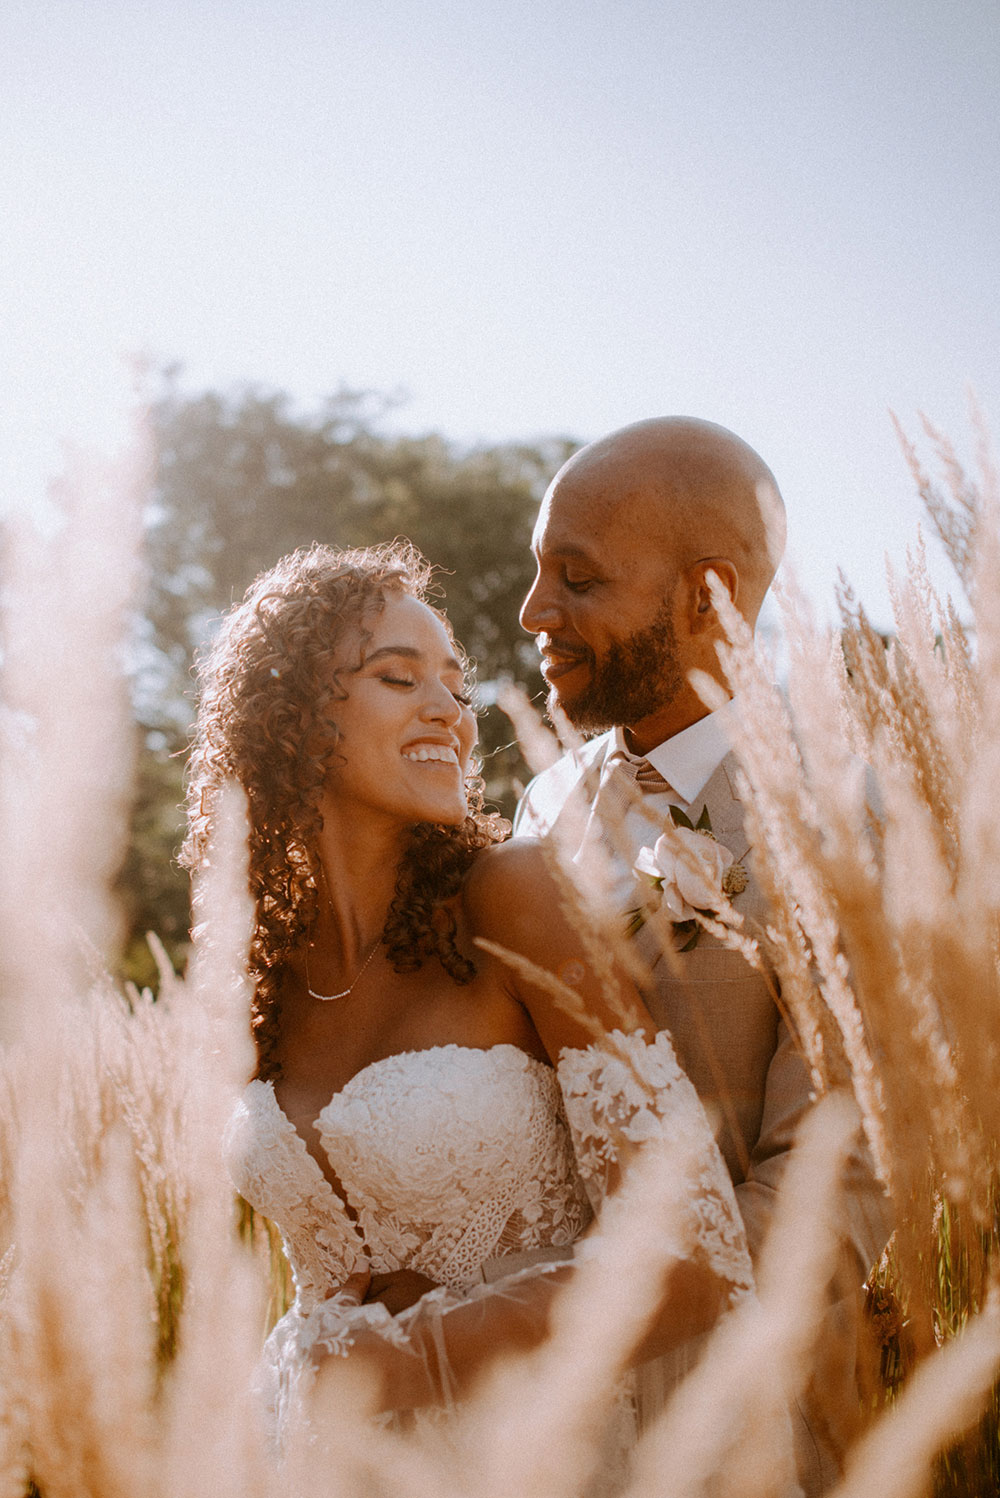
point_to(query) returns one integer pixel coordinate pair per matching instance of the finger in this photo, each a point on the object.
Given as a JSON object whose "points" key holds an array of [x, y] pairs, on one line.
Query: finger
{"points": [[356, 1285]]}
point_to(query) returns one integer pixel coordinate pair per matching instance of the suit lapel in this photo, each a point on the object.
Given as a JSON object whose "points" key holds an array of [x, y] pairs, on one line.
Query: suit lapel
{"points": [[725, 809], [575, 796]]}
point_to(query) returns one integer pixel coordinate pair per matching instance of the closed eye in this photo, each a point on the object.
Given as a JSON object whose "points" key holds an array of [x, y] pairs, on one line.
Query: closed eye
{"points": [[403, 681], [578, 584]]}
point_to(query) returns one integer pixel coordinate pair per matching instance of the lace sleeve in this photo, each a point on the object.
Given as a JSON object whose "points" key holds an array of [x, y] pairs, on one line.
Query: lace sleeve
{"points": [[622, 1094]]}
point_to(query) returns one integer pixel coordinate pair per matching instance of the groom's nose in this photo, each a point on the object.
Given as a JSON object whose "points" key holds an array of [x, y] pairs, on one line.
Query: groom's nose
{"points": [[539, 610]]}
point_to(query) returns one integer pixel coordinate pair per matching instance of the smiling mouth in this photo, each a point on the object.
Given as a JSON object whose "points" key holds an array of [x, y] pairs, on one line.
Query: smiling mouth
{"points": [[442, 754], [559, 663]]}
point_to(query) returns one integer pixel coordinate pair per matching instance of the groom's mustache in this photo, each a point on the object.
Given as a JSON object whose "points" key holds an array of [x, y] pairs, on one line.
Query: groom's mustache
{"points": [[561, 658], [552, 645]]}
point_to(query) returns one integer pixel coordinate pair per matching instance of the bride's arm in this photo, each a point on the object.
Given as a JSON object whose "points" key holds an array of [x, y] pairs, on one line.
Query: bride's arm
{"points": [[436, 1352], [561, 967]]}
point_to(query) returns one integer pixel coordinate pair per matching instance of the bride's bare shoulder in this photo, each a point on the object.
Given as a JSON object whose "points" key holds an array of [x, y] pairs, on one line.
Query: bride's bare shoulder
{"points": [[513, 901], [508, 884]]}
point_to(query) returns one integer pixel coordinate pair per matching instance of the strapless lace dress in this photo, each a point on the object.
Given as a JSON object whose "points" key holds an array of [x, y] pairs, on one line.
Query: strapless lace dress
{"points": [[448, 1157], [452, 1157]]}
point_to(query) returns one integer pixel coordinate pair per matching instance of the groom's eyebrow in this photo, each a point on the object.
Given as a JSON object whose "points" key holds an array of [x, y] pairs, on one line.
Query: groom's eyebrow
{"points": [[572, 550]]}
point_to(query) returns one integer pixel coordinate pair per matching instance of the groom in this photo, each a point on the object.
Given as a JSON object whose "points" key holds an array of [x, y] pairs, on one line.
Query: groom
{"points": [[621, 606]]}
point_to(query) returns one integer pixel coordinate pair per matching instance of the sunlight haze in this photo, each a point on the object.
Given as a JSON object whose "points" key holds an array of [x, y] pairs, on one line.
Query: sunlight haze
{"points": [[532, 219]]}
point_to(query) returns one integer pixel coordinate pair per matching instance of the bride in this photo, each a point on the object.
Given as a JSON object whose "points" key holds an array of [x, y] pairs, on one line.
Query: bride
{"points": [[423, 1107]]}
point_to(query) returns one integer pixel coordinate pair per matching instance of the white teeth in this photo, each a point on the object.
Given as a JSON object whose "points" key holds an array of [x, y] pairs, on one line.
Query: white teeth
{"points": [[440, 752]]}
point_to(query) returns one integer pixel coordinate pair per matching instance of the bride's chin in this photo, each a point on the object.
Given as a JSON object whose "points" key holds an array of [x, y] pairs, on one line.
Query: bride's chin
{"points": [[442, 813], [454, 818]]}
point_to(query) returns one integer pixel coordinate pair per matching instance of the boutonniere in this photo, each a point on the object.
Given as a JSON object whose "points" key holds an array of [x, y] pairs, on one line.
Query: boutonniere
{"points": [[690, 873]]}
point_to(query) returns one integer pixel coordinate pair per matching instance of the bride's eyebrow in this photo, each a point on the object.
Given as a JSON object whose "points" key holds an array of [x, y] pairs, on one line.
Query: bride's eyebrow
{"points": [[410, 653]]}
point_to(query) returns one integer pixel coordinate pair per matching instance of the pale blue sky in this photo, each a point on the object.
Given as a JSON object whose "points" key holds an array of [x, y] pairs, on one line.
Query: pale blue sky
{"points": [[534, 217]]}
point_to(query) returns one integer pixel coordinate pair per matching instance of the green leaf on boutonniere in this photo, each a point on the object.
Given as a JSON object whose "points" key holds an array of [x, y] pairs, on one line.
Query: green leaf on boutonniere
{"points": [[681, 819], [689, 930], [636, 921]]}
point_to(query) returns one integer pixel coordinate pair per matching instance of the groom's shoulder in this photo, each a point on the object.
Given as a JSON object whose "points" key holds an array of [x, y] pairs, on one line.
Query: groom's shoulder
{"points": [[547, 793]]}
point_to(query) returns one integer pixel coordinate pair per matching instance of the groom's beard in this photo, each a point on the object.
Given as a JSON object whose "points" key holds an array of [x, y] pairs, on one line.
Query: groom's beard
{"points": [[636, 677]]}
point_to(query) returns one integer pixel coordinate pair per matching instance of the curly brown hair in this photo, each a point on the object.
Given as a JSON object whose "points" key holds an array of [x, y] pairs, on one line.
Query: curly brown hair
{"points": [[267, 689]]}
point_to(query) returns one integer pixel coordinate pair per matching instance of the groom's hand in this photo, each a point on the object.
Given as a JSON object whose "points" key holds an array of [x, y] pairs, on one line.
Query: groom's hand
{"points": [[399, 1289]]}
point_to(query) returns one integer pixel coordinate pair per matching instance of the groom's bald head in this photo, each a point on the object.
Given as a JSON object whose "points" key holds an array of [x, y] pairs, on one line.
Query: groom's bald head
{"points": [[690, 487], [626, 536]]}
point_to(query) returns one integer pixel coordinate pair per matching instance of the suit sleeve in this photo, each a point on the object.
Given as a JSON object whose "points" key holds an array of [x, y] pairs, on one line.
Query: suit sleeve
{"points": [[788, 1094], [868, 1220]]}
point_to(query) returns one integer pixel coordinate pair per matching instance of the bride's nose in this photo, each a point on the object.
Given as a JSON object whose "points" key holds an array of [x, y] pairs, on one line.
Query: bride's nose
{"points": [[440, 705]]}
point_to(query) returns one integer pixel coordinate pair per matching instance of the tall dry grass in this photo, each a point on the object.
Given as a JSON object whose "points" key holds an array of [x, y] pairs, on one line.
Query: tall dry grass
{"points": [[885, 889], [132, 1306]]}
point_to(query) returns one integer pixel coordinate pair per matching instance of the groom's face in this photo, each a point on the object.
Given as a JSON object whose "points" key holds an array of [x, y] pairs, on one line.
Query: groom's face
{"points": [[603, 606]]}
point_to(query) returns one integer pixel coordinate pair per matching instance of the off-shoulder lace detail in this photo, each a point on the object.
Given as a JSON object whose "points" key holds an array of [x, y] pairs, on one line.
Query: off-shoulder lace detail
{"points": [[624, 1091], [274, 1171]]}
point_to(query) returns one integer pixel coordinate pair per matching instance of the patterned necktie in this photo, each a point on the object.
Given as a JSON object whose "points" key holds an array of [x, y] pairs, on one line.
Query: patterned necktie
{"points": [[616, 798], [616, 794], [646, 776]]}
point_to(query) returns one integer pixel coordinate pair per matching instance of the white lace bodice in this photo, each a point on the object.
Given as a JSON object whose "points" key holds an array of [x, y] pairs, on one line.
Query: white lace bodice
{"points": [[452, 1156], [448, 1157]]}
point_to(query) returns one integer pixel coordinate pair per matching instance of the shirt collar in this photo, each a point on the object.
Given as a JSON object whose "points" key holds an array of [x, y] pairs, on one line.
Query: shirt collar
{"points": [[691, 757]]}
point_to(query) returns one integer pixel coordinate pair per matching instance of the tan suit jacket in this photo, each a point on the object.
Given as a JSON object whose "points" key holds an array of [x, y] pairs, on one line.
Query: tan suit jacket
{"points": [[752, 1080]]}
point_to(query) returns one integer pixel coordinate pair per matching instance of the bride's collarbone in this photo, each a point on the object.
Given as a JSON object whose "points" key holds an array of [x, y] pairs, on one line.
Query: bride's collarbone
{"points": [[323, 1045]]}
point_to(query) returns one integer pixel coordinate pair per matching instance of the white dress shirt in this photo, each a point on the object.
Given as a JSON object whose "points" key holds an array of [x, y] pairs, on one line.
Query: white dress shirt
{"points": [[687, 760]]}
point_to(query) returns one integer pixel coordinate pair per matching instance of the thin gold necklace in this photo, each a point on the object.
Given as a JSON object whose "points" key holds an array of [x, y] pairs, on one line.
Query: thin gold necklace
{"points": [[346, 991]]}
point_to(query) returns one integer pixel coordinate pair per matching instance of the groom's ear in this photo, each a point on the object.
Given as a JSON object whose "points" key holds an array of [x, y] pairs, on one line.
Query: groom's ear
{"points": [[702, 617]]}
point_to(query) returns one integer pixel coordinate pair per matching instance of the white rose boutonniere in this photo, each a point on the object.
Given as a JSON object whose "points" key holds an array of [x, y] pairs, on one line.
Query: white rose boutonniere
{"points": [[688, 872]]}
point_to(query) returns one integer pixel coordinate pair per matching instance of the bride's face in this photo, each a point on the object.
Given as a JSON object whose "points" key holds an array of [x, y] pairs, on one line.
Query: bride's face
{"points": [[407, 730]]}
